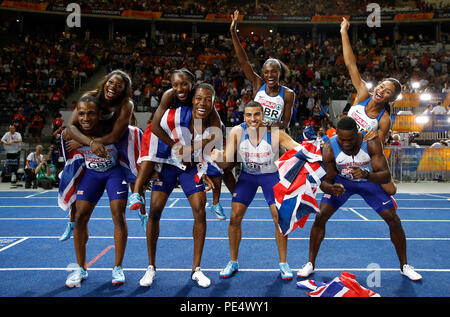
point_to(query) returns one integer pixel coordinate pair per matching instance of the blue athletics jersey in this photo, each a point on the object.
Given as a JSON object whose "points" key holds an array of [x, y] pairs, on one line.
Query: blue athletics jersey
{"points": [[345, 161], [373, 194], [363, 121]]}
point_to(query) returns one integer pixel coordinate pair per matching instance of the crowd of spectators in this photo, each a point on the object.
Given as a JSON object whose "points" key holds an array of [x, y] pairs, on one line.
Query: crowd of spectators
{"points": [[40, 70], [258, 7], [318, 74]]}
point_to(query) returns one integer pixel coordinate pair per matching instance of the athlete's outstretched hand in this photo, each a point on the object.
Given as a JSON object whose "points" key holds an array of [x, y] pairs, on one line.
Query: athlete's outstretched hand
{"points": [[344, 25], [234, 18]]}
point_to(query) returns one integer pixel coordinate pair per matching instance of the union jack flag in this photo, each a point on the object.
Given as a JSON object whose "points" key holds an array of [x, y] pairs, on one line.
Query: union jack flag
{"points": [[342, 286], [301, 172], [128, 147], [176, 123]]}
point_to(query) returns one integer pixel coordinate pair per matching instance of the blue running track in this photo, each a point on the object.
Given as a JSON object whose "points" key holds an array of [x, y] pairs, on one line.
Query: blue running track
{"points": [[33, 263]]}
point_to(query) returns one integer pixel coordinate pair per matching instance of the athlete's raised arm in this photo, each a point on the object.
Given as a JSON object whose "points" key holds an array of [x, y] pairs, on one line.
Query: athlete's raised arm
{"points": [[247, 68], [166, 101], [350, 63], [286, 141]]}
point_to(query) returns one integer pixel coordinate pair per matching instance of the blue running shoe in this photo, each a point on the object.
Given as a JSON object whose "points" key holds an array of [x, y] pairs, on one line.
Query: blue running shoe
{"points": [[230, 269], [285, 270], [144, 220], [135, 201], [68, 232], [218, 211], [117, 275], [76, 277]]}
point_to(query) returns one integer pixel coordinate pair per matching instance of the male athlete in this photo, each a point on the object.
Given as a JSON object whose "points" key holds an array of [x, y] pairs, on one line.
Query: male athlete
{"points": [[355, 166], [255, 145]]}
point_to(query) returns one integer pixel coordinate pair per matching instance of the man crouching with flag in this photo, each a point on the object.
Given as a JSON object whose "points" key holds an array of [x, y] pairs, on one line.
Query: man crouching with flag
{"points": [[354, 166], [256, 146]]}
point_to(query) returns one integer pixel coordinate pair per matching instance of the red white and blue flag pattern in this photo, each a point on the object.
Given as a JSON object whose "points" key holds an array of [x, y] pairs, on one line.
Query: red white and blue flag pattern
{"points": [[342, 286], [129, 149], [301, 172], [176, 123]]}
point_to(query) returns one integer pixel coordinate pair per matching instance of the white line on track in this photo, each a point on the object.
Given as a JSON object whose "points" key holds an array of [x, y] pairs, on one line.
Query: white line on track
{"points": [[244, 238], [437, 196], [39, 193], [13, 244], [34, 196], [218, 270], [174, 202], [226, 207], [216, 220], [357, 213]]}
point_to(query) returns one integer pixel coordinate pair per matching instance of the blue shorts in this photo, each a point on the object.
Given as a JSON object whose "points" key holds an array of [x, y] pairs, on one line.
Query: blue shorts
{"points": [[372, 193], [247, 185], [92, 185], [168, 180], [213, 171]]}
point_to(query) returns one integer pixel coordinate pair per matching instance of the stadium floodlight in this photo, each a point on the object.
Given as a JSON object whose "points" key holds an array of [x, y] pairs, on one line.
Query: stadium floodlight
{"points": [[415, 85], [422, 119], [425, 97], [369, 85]]}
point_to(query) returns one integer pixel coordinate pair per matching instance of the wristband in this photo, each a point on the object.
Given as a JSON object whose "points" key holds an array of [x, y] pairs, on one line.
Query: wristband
{"points": [[90, 143], [367, 174]]}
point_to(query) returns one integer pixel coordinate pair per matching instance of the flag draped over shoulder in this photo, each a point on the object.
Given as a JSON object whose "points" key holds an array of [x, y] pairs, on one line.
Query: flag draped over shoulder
{"points": [[176, 123], [70, 177], [301, 172], [128, 148], [342, 286]]}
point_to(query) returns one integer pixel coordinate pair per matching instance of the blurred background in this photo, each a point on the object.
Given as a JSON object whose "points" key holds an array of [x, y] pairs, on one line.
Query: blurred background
{"points": [[46, 64]]}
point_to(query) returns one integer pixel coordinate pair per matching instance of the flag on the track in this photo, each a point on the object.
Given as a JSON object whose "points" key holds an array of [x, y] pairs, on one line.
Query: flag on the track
{"points": [[301, 172], [128, 148], [342, 286]]}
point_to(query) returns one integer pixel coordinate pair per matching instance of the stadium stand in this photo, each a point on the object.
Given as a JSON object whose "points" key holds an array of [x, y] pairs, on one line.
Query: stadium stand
{"points": [[38, 69]]}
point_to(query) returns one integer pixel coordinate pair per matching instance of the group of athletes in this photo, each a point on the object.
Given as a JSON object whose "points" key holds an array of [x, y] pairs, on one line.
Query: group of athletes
{"points": [[354, 161]]}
